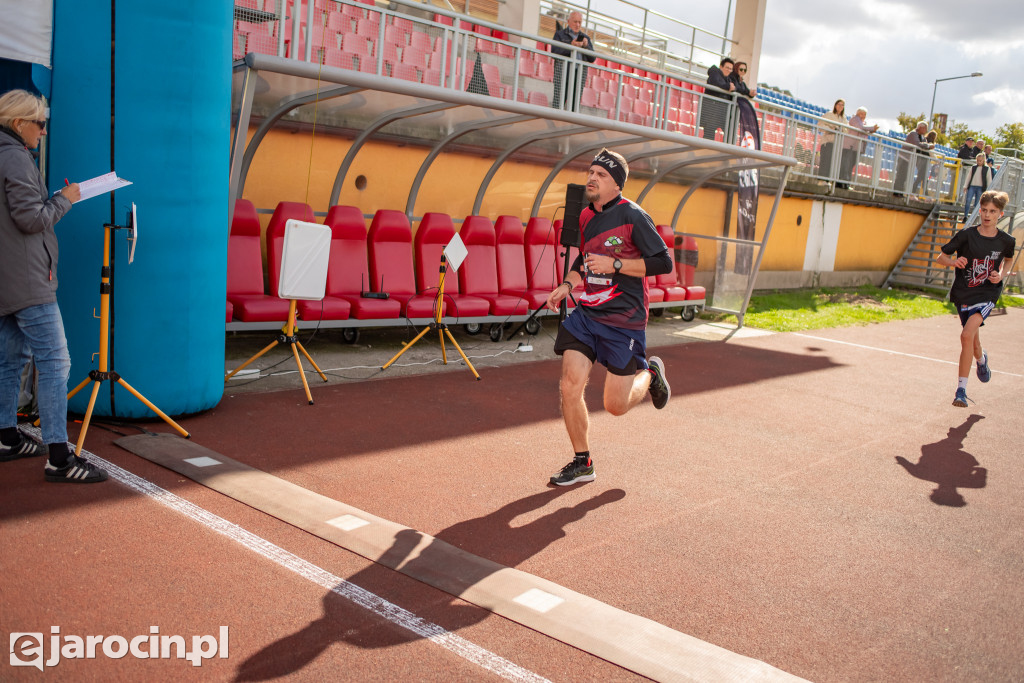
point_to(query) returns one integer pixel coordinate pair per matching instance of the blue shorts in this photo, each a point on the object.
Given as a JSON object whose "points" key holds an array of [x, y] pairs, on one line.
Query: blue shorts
{"points": [[966, 311], [622, 351]]}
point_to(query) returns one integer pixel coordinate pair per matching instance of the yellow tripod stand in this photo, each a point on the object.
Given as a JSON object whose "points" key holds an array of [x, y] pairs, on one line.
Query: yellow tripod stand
{"points": [[439, 325], [99, 376], [288, 336]]}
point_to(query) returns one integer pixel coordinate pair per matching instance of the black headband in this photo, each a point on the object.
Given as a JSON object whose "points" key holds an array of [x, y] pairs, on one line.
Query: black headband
{"points": [[615, 168]]}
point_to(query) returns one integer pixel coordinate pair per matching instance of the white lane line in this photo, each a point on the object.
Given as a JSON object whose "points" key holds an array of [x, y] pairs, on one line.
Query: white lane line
{"points": [[397, 615], [894, 353]]}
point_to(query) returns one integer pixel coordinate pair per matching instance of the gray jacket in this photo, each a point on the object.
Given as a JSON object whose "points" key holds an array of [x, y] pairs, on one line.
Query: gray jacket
{"points": [[28, 244]]}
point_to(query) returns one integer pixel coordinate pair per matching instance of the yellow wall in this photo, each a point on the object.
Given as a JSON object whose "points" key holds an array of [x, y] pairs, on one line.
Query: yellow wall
{"points": [[288, 168], [872, 238]]}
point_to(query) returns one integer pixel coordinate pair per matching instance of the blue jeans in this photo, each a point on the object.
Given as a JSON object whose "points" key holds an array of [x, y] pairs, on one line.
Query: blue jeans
{"points": [[972, 198], [41, 330]]}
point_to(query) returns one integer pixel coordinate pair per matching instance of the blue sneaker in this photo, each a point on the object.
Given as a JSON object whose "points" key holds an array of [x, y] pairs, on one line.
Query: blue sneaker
{"points": [[960, 400], [984, 374]]}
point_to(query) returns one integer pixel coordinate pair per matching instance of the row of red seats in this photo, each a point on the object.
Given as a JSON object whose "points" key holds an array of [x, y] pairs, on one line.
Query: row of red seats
{"points": [[509, 271]]}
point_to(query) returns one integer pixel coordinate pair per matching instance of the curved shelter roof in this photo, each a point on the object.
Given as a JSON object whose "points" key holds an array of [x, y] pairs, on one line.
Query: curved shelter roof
{"points": [[271, 89]]}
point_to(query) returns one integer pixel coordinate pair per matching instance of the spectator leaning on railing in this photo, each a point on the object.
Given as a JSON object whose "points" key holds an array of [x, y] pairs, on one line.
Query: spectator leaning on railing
{"points": [[828, 139], [713, 113], [852, 143], [977, 184], [915, 143], [572, 34], [966, 150]]}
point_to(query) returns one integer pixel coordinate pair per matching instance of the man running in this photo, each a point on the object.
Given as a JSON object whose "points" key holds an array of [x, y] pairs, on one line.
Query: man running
{"points": [[620, 248]]}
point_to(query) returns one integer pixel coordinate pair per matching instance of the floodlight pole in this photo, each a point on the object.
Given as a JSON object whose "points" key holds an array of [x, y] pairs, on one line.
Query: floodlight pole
{"points": [[935, 89]]}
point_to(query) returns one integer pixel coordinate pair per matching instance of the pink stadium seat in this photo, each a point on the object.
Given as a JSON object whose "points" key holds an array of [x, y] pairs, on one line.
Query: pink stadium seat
{"points": [[589, 97], [348, 274], [511, 259], [406, 72], [545, 71], [355, 44], [420, 40], [245, 293], [527, 67], [478, 275], [335, 57], [391, 267], [353, 11], [539, 98], [435, 232], [340, 22], [415, 56]]}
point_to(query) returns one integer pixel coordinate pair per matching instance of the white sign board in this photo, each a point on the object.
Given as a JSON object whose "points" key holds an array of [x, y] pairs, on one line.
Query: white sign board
{"points": [[304, 258]]}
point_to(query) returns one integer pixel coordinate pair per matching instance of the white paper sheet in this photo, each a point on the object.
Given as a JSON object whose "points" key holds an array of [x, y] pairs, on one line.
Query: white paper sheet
{"points": [[100, 185]]}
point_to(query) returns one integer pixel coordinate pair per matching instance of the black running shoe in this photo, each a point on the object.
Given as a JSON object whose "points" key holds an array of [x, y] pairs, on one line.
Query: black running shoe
{"points": [[660, 390], [26, 448], [575, 472], [76, 471]]}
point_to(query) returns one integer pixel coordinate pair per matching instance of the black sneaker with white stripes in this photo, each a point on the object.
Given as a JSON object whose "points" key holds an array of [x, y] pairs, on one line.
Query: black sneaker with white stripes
{"points": [[26, 448], [659, 389], [76, 471]]}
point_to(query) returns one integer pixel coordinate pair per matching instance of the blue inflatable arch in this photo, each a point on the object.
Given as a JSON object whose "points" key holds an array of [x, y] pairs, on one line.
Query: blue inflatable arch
{"points": [[144, 89]]}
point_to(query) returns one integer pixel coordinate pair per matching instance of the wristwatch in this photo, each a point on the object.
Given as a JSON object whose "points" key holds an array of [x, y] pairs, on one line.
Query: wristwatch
{"points": [[617, 265]]}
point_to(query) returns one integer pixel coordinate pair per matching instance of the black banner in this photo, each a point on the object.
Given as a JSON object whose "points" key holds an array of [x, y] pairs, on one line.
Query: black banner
{"points": [[746, 217]]}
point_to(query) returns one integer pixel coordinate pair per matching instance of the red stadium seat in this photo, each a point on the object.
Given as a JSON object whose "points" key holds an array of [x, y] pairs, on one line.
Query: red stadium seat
{"points": [[284, 212], [513, 277], [391, 266], [348, 274], [435, 232], [478, 275], [245, 292]]}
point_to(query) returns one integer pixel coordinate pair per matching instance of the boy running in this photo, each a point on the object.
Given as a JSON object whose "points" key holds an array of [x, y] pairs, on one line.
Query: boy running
{"points": [[981, 255]]}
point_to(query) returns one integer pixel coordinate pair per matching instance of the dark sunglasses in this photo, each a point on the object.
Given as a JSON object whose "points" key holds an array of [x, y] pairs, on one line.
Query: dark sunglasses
{"points": [[743, 71], [41, 124]]}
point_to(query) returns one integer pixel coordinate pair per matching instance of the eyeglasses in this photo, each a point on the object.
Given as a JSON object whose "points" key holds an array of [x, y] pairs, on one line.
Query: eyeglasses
{"points": [[743, 71], [41, 124]]}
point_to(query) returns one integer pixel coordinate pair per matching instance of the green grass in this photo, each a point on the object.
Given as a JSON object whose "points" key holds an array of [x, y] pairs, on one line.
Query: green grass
{"points": [[805, 309]]}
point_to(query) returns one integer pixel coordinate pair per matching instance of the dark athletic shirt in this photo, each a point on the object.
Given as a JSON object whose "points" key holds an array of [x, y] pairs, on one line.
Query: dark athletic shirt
{"points": [[984, 256], [621, 230]]}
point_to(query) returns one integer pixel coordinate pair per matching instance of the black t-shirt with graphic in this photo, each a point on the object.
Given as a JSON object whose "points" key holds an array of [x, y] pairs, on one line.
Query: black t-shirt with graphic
{"points": [[984, 257], [621, 230]]}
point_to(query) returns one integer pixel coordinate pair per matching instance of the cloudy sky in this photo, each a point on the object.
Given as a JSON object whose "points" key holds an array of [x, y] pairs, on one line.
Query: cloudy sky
{"points": [[886, 55]]}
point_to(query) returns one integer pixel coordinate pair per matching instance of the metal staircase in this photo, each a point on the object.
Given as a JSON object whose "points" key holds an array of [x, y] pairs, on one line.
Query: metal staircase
{"points": [[917, 267]]}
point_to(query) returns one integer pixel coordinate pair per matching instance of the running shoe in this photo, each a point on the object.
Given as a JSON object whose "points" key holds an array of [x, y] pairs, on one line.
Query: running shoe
{"points": [[984, 373], [660, 390], [960, 400], [76, 471], [26, 448], [575, 472]]}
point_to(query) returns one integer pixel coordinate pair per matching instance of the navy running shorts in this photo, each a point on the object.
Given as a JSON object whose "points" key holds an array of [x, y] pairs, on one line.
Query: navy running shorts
{"points": [[620, 350], [984, 308]]}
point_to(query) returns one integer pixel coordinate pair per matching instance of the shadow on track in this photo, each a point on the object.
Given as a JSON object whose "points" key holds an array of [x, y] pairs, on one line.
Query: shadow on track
{"points": [[947, 464], [491, 537]]}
